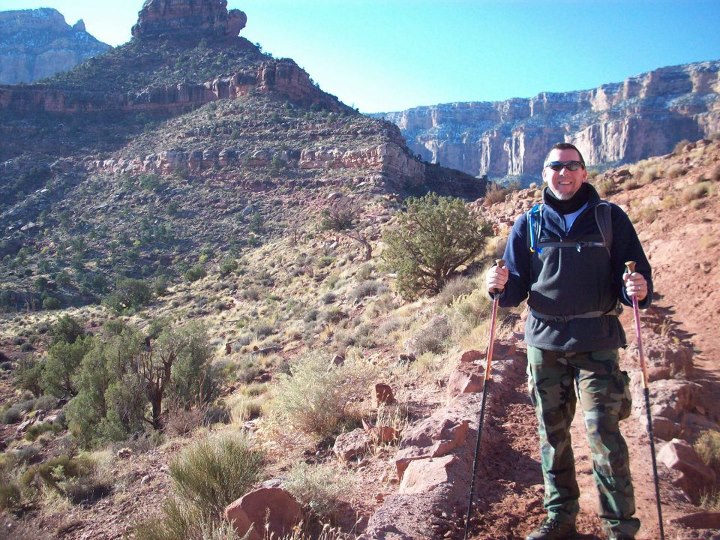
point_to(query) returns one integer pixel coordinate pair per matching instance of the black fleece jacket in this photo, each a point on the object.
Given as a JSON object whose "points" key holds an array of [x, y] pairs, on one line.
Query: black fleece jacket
{"points": [[565, 281]]}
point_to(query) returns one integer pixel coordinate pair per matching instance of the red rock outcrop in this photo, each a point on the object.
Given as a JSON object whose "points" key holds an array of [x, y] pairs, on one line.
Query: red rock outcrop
{"points": [[188, 18], [281, 76]]}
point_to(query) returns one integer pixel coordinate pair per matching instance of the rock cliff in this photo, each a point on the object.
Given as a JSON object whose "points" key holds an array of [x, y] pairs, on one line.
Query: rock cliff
{"points": [[176, 18], [37, 43], [615, 123]]}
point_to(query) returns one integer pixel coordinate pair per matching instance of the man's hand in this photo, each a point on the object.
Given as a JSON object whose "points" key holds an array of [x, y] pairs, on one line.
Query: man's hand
{"points": [[496, 278], [635, 285]]}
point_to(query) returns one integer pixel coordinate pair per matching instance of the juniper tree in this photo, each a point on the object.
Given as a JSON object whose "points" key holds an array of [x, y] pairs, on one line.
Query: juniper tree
{"points": [[434, 237]]}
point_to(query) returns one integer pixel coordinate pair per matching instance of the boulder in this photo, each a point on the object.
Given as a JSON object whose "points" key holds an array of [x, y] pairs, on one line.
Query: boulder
{"points": [[465, 379], [274, 507], [426, 475], [436, 436], [383, 394], [699, 520], [669, 398], [351, 445], [696, 477]]}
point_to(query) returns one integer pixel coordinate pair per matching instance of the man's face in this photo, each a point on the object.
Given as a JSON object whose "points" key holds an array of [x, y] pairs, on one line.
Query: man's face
{"points": [[563, 183]]}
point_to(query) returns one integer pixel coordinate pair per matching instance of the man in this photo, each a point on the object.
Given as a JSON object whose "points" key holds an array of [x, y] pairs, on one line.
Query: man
{"points": [[568, 261]]}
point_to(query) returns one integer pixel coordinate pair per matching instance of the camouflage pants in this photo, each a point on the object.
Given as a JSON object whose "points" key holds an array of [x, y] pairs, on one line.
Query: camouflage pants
{"points": [[556, 380]]}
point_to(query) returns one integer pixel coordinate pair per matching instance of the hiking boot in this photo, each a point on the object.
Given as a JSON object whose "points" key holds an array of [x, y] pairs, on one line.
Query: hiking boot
{"points": [[551, 529]]}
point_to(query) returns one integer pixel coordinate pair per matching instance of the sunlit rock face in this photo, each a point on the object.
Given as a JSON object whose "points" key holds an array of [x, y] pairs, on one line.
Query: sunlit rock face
{"points": [[37, 43], [188, 18], [615, 123]]}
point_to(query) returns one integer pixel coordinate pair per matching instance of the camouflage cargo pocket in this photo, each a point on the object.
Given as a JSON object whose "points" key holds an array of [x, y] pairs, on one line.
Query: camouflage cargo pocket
{"points": [[626, 402]]}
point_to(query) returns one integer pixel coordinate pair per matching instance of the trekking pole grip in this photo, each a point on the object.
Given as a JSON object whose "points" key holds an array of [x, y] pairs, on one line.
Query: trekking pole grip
{"points": [[630, 265], [500, 263]]}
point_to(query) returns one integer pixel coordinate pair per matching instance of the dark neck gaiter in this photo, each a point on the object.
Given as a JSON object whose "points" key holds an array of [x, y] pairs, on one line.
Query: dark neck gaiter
{"points": [[571, 205]]}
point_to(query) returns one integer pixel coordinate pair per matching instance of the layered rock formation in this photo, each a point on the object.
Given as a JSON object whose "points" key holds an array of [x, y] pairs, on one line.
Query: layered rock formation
{"points": [[180, 17], [205, 31], [37, 43], [615, 123], [283, 76]]}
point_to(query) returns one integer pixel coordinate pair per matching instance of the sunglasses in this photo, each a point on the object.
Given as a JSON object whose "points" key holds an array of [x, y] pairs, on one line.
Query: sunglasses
{"points": [[569, 165]]}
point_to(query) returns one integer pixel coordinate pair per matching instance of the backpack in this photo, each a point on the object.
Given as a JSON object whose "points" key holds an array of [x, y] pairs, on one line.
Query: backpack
{"points": [[603, 218]]}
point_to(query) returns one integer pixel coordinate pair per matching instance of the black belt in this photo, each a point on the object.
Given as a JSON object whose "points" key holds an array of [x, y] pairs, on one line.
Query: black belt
{"points": [[614, 312]]}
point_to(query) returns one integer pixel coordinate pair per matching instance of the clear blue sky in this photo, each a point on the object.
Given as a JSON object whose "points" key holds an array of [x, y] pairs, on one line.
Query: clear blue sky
{"points": [[388, 55]]}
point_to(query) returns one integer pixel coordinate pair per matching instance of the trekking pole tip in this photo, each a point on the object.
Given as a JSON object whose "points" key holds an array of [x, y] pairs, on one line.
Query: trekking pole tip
{"points": [[630, 266]]}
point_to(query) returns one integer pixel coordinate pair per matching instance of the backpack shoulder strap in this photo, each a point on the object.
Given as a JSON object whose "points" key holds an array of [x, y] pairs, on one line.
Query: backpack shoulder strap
{"points": [[534, 222], [603, 217]]}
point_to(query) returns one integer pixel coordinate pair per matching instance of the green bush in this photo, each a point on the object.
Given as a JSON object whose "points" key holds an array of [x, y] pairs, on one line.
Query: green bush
{"points": [[212, 473], [196, 272], [108, 362], [129, 294], [28, 375], [10, 495], [53, 472], [66, 330], [708, 448], [433, 238], [319, 399], [193, 381], [318, 488], [63, 360], [51, 303], [182, 520], [228, 266]]}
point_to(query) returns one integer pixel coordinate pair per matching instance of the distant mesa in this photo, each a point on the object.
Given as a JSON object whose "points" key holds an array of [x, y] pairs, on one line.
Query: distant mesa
{"points": [[188, 18]]}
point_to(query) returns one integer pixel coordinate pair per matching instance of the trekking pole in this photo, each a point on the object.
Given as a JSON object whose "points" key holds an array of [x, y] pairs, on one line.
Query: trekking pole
{"points": [[636, 312], [488, 362]]}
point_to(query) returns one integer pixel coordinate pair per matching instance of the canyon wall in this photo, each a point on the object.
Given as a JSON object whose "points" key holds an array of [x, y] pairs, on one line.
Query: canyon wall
{"points": [[615, 123], [37, 43]]}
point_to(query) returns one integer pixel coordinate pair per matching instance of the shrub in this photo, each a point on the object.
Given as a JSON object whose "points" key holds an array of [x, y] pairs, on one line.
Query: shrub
{"points": [[433, 238], [228, 266], [675, 170], [319, 399], [680, 146], [46, 403], [497, 193], [604, 186], [455, 288], [51, 303], [473, 308], [432, 337], [28, 375], [182, 520], [193, 381], [75, 478], [66, 330], [697, 191], [708, 448], [12, 415], [10, 495], [63, 360], [129, 294], [195, 273], [318, 488], [214, 472], [367, 288]]}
